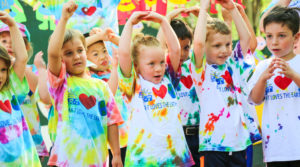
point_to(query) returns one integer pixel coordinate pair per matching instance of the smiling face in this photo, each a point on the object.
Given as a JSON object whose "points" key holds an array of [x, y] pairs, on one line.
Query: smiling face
{"points": [[218, 48], [74, 56], [98, 55], [151, 63], [280, 40]]}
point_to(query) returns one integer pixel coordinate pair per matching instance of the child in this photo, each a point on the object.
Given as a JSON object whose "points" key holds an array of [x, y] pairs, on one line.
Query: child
{"points": [[147, 82], [276, 82], [107, 71], [16, 145], [29, 105], [226, 120], [188, 102], [87, 115]]}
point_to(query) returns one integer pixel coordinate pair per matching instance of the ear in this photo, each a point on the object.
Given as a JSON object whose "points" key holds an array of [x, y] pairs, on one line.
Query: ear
{"points": [[297, 43]]}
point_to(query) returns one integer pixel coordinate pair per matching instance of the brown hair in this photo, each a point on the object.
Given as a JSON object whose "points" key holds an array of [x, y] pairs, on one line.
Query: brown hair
{"points": [[142, 40], [215, 25], [6, 58], [70, 34]]}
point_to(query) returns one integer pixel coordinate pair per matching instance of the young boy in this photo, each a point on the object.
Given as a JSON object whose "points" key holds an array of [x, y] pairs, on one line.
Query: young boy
{"points": [[227, 125], [276, 82]]}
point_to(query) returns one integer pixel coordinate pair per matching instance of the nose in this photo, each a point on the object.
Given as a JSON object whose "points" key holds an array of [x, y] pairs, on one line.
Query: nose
{"points": [[274, 41], [158, 67]]}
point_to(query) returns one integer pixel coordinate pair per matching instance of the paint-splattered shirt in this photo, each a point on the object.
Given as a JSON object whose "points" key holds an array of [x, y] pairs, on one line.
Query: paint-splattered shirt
{"points": [[16, 145], [188, 100], [123, 128], [281, 114], [156, 135], [85, 107], [31, 113], [226, 118]]}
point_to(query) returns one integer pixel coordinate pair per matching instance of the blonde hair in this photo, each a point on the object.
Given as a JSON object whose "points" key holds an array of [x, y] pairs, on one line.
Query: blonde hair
{"points": [[6, 58], [70, 34], [215, 25], [142, 40]]}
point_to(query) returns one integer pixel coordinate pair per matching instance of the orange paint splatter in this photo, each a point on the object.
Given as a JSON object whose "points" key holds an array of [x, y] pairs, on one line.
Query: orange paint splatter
{"points": [[210, 125], [170, 145]]}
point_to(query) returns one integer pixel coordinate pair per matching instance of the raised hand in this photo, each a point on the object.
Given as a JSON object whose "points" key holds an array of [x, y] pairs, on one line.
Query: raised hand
{"points": [[68, 9], [39, 61], [269, 72], [7, 19], [136, 17], [227, 4], [194, 10], [155, 17], [175, 13], [286, 70]]}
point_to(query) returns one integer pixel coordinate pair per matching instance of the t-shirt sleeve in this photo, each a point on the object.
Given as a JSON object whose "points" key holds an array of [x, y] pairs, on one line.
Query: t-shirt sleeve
{"points": [[197, 73], [244, 63], [113, 113], [54, 81], [20, 88], [126, 84], [260, 68], [173, 75]]}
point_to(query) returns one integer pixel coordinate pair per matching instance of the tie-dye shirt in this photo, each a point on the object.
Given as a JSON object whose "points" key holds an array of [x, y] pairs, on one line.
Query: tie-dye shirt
{"points": [[281, 114], [84, 109], [16, 145], [188, 99], [31, 113], [123, 128], [155, 136], [227, 120]]}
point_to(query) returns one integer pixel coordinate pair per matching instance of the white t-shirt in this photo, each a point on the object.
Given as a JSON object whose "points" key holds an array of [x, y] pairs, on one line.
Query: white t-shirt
{"points": [[188, 100], [227, 120], [281, 114]]}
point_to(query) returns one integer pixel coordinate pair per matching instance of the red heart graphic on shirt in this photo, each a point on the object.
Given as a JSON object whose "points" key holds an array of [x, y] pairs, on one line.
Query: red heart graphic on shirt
{"points": [[161, 92], [282, 82], [89, 11], [88, 102], [187, 81], [227, 77], [6, 107]]}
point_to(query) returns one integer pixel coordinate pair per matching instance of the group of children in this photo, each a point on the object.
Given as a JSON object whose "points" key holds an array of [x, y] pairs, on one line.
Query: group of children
{"points": [[152, 103]]}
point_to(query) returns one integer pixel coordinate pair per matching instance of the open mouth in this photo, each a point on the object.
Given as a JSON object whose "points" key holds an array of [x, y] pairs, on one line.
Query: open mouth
{"points": [[104, 63]]}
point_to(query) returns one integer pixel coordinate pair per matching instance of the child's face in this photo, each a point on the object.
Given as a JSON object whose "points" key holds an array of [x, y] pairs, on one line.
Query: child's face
{"points": [[98, 55], [151, 64], [185, 45], [74, 56], [5, 41], [280, 39], [3, 73], [218, 48]]}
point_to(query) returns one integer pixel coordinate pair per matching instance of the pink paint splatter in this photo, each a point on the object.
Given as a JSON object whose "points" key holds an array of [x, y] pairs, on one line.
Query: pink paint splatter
{"points": [[228, 115]]}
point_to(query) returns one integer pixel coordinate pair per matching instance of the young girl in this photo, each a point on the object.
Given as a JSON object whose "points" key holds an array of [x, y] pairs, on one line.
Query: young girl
{"points": [[188, 101], [147, 81], [29, 105], [106, 69], [16, 145], [87, 115], [227, 124]]}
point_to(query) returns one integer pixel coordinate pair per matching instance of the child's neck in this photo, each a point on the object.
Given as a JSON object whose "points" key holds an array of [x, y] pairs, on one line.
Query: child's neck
{"points": [[289, 56]]}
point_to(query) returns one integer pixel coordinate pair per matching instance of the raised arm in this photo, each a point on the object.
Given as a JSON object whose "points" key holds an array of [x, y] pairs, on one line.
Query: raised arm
{"points": [[170, 16], [200, 33], [107, 35], [284, 3], [113, 80], [57, 38], [170, 36], [240, 24], [18, 45], [125, 42], [42, 78]]}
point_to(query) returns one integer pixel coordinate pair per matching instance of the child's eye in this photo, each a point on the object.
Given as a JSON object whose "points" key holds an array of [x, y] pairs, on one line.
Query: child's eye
{"points": [[68, 53], [162, 62], [3, 70], [4, 41], [217, 46], [80, 50], [269, 36], [228, 44], [95, 54], [187, 48], [104, 51], [282, 35], [151, 64]]}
